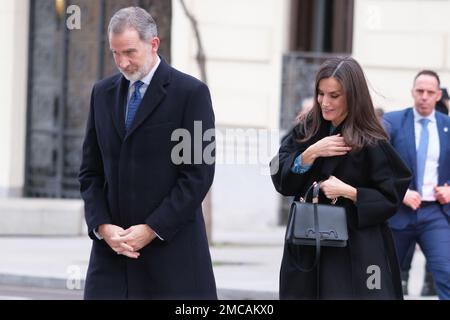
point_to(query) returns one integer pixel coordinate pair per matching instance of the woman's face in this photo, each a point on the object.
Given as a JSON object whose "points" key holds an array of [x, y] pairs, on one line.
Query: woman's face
{"points": [[332, 100]]}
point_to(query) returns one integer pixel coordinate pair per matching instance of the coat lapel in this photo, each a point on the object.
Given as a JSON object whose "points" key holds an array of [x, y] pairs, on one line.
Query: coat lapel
{"points": [[329, 163], [116, 98], [153, 96], [444, 136], [410, 140]]}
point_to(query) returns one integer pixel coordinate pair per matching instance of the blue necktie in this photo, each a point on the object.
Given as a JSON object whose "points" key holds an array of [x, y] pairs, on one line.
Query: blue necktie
{"points": [[133, 104], [422, 151]]}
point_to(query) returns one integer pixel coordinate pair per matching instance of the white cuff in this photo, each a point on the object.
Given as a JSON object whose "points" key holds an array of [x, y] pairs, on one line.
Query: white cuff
{"points": [[99, 237], [158, 236]]}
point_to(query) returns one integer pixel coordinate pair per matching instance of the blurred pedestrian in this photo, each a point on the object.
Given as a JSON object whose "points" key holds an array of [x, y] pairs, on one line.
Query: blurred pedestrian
{"points": [[443, 104], [379, 112], [421, 136], [307, 105]]}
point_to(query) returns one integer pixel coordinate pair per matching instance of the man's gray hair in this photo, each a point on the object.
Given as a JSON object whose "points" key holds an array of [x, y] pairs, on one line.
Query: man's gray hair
{"points": [[136, 18]]}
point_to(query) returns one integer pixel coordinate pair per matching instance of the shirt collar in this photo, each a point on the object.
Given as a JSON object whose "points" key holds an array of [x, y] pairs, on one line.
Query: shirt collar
{"points": [[146, 80], [332, 129], [417, 116]]}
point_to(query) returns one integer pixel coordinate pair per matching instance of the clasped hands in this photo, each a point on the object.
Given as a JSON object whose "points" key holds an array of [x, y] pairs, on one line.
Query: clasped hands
{"points": [[127, 242]]}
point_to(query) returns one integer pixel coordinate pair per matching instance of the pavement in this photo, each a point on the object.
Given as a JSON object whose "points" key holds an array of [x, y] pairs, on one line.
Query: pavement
{"points": [[246, 264]]}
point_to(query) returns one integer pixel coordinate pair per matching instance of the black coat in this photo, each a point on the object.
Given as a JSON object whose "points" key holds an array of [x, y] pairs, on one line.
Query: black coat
{"points": [[130, 179], [381, 180]]}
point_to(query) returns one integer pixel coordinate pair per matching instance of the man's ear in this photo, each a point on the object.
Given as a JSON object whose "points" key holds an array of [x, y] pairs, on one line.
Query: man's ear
{"points": [[154, 43], [439, 95]]}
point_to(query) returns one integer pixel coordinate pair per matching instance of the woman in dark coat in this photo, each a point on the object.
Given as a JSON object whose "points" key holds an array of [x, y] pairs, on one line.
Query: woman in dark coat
{"points": [[341, 143]]}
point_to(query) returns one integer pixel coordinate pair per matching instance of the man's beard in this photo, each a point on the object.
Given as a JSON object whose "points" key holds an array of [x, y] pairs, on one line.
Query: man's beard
{"points": [[138, 74]]}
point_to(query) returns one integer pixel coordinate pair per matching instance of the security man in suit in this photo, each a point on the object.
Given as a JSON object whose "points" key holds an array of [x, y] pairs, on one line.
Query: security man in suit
{"points": [[421, 136]]}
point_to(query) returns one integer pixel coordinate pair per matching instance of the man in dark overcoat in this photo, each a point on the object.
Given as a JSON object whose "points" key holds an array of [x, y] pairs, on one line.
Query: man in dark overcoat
{"points": [[147, 164]]}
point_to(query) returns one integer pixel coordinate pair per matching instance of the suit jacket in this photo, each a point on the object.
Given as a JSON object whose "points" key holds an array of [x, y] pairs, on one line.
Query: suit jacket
{"points": [[130, 178], [400, 126], [381, 180]]}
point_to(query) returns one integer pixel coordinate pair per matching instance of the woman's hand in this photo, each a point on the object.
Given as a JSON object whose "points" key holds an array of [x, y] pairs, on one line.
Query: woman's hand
{"points": [[327, 147], [334, 188]]}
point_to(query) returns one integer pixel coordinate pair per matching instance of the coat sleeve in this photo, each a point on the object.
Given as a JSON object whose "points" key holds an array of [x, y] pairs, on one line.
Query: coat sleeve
{"points": [[195, 176], [389, 178], [284, 180], [92, 179]]}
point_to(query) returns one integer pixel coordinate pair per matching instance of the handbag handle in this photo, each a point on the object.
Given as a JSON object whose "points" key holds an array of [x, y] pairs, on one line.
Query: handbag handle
{"points": [[316, 188]]}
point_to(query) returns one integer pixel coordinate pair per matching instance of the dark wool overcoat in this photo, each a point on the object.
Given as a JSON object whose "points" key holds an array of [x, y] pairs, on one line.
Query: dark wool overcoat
{"points": [[131, 178], [381, 180]]}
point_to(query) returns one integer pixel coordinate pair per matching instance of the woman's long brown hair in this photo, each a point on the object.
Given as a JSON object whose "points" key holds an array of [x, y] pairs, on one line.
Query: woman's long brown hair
{"points": [[361, 127]]}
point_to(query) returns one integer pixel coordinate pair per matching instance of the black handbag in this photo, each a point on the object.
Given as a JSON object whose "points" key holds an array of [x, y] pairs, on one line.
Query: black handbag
{"points": [[314, 224]]}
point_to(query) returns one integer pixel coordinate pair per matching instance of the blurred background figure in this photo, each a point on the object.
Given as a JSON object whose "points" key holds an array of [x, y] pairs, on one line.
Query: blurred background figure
{"points": [[443, 104], [379, 112], [307, 104], [420, 135], [428, 288]]}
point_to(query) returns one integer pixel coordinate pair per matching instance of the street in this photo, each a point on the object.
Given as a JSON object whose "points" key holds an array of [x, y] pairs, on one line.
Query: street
{"points": [[30, 293]]}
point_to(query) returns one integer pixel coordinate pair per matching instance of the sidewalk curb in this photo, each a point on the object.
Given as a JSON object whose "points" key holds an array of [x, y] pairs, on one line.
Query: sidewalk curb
{"points": [[35, 281], [223, 293], [61, 284]]}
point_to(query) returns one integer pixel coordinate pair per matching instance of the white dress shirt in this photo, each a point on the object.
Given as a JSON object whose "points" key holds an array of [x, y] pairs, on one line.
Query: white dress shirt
{"points": [[146, 80], [430, 177]]}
